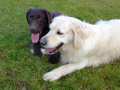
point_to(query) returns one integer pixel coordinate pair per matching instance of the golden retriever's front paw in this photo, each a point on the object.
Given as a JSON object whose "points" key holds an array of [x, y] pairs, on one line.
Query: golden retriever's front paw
{"points": [[51, 76]]}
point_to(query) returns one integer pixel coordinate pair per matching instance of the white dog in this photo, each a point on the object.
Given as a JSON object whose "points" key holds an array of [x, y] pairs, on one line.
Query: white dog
{"points": [[81, 44]]}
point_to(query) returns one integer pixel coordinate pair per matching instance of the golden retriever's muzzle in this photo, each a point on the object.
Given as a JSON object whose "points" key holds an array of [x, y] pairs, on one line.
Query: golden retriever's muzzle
{"points": [[44, 42]]}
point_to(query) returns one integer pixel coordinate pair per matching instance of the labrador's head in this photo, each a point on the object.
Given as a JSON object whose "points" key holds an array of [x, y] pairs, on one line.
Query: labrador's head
{"points": [[38, 20]]}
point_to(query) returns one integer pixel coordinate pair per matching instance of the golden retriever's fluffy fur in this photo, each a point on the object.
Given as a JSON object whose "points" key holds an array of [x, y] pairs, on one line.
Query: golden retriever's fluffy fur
{"points": [[84, 44]]}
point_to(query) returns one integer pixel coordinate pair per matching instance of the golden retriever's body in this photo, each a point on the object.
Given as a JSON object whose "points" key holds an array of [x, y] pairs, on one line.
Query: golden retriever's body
{"points": [[84, 44]]}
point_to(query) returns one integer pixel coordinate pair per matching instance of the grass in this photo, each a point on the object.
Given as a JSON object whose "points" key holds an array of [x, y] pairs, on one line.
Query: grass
{"points": [[20, 70]]}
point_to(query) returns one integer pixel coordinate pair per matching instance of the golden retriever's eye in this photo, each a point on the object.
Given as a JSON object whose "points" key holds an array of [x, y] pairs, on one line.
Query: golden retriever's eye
{"points": [[59, 33]]}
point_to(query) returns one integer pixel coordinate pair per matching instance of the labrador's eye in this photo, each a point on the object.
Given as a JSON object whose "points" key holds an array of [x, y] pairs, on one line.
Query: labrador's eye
{"points": [[59, 33], [31, 16]]}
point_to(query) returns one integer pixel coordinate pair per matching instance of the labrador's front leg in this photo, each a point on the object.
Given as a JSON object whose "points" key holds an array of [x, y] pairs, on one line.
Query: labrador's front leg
{"points": [[63, 70]]}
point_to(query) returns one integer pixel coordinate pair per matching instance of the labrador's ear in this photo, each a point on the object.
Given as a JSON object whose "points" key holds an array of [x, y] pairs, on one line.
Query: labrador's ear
{"points": [[27, 15], [78, 36], [49, 18]]}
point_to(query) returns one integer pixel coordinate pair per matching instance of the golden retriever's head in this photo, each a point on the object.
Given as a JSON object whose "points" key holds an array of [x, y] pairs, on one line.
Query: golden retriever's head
{"points": [[64, 31]]}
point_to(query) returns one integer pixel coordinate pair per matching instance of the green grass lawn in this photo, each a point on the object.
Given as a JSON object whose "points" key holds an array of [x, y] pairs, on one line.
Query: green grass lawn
{"points": [[20, 70]]}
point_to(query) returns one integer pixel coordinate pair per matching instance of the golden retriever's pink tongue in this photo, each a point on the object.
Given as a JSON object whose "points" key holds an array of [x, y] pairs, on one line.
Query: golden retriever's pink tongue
{"points": [[50, 49], [35, 38]]}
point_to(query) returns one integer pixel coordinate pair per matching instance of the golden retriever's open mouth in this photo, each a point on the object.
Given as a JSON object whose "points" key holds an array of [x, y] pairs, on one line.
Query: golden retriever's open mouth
{"points": [[51, 51]]}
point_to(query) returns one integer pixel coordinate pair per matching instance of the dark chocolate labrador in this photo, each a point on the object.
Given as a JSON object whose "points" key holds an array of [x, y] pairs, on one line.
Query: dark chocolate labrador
{"points": [[38, 21]]}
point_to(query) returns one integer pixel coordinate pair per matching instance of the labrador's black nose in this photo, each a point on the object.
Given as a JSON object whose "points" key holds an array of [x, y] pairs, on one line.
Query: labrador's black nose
{"points": [[33, 30], [43, 42]]}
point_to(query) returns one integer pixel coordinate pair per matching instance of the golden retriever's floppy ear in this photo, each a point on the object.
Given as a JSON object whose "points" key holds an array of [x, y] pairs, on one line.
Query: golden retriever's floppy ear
{"points": [[78, 36]]}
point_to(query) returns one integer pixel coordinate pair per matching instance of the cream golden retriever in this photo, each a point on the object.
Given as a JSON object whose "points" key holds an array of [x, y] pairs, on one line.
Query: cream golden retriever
{"points": [[81, 44]]}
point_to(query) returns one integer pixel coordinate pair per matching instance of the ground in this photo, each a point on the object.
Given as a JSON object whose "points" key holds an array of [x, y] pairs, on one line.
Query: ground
{"points": [[20, 70]]}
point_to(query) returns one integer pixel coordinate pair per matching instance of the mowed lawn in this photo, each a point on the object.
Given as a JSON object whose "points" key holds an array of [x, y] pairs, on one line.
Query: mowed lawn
{"points": [[20, 70]]}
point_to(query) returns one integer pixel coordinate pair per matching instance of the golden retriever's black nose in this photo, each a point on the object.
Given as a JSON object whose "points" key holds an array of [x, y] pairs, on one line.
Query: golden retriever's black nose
{"points": [[43, 42]]}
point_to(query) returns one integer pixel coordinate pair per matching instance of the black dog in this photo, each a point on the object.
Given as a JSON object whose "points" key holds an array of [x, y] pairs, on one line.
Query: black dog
{"points": [[39, 20]]}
